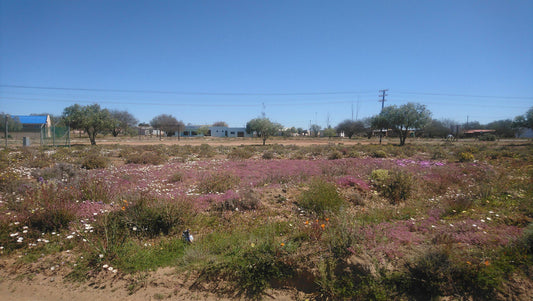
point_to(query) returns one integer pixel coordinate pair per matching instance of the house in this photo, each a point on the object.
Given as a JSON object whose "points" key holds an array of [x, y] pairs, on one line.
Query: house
{"points": [[476, 133], [222, 131], [36, 126]]}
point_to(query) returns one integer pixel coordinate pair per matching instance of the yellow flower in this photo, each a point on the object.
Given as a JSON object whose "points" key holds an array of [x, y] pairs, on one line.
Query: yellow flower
{"points": [[282, 244], [468, 262], [487, 263], [123, 208], [307, 222], [323, 226]]}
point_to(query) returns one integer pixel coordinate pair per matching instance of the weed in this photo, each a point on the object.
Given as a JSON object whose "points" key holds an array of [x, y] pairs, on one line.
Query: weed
{"points": [[465, 157]]}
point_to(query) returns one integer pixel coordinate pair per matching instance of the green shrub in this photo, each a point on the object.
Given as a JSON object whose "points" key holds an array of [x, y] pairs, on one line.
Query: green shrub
{"points": [[321, 197], [487, 137], [379, 154], [148, 157], [176, 177], [247, 202], [94, 161], [396, 186], [240, 153], [335, 155], [379, 176], [151, 218], [430, 275], [206, 151], [268, 155], [60, 172], [53, 217], [217, 182], [465, 157]]}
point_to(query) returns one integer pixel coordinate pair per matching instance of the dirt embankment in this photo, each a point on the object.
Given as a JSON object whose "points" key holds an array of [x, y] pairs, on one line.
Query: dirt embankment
{"points": [[19, 283]]}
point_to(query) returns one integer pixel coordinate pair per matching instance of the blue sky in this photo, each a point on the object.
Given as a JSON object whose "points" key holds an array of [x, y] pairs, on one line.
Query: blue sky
{"points": [[299, 62]]}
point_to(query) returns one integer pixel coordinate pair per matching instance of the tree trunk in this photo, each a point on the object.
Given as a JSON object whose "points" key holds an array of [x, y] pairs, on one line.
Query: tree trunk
{"points": [[403, 136]]}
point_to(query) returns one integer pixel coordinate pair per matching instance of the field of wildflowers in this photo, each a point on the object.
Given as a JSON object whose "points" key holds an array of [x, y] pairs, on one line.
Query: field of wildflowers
{"points": [[331, 222]]}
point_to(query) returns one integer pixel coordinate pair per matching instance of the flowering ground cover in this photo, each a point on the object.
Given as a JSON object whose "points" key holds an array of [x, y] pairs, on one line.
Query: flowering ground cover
{"points": [[327, 222]]}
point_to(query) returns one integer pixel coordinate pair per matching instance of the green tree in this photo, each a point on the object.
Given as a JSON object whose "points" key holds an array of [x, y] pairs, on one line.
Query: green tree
{"points": [[91, 118], [220, 123], [330, 132], [203, 130], [407, 117], [168, 124], [13, 123], [122, 122], [524, 121], [503, 128], [436, 128], [350, 128], [263, 127], [315, 129]]}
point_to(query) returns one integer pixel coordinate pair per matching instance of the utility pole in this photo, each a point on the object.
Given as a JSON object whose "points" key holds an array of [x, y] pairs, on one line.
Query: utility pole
{"points": [[383, 98], [382, 106], [7, 116], [352, 110]]}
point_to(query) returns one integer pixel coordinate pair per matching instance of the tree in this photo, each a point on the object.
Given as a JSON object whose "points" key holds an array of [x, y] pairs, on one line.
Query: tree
{"points": [[168, 124], [203, 130], [220, 123], [503, 128], [524, 121], [350, 128], [315, 129], [13, 123], [122, 121], [329, 132], [410, 116], [436, 128], [90, 118], [263, 127]]}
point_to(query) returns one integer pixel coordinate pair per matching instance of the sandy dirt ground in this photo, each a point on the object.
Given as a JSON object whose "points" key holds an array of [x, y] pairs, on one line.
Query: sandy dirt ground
{"points": [[163, 284]]}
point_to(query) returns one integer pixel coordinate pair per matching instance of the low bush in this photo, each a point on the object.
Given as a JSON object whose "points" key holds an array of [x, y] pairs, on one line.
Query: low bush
{"points": [[465, 157], [148, 157], [54, 217], [241, 153], [94, 161], [233, 201], [268, 155], [487, 137], [60, 172], [217, 182], [430, 275], [206, 151], [151, 218], [176, 177], [379, 154], [321, 198], [396, 186]]}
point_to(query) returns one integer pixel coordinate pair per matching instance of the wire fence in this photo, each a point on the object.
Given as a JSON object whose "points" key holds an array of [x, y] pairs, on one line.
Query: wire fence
{"points": [[43, 136]]}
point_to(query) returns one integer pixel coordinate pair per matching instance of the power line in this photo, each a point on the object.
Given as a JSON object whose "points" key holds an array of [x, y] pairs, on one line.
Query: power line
{"points": [[259, 93], [464, 95], [185, 92], [288, 103]]}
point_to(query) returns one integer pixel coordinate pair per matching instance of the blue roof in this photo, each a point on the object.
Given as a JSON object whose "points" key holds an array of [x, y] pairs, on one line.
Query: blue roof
{"points": [[31, 119]]}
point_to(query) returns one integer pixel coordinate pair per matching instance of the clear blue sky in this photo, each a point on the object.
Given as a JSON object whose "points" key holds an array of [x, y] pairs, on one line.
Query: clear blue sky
{"points": [[205, 61]]}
